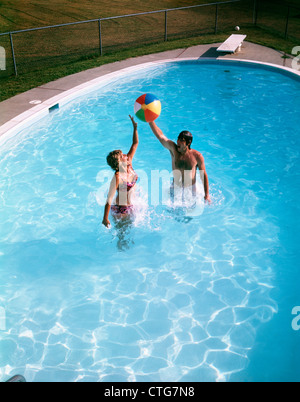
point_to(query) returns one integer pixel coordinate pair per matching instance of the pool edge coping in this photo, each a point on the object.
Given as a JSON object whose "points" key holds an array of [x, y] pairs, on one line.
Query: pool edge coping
{"points": [[29, 117]]}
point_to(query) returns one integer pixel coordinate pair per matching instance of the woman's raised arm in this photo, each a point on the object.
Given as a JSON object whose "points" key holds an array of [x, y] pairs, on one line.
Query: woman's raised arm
{"points": [[135, 140]]}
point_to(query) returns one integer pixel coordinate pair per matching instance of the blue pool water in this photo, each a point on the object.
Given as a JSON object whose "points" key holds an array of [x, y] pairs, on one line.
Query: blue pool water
{"points": [[165, 297]]}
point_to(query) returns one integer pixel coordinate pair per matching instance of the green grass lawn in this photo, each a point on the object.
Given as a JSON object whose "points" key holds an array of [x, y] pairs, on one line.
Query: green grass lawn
{"points": [[20, 14], [46, 55]]}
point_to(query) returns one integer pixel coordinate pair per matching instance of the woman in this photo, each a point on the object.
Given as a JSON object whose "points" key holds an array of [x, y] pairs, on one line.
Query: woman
{"points": [[123, 181]]}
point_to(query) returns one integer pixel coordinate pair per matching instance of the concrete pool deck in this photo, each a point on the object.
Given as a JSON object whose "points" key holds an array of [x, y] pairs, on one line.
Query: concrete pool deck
{"points": [[13, 110]]}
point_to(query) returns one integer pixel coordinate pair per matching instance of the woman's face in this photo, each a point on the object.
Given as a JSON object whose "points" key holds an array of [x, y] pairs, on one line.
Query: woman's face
{"points": [[123, 162], [123, 158]]}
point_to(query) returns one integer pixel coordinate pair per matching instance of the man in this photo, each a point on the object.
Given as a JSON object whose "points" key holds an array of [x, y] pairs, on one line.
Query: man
{"points": [[184, 160]]}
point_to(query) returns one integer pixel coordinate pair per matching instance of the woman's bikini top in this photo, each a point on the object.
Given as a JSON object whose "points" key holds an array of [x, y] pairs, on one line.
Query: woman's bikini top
{"points": [[129, 185]]}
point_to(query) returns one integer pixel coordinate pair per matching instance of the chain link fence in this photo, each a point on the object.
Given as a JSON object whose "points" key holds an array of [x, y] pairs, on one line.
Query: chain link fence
{"points": [[279, 17], [39, 48]]}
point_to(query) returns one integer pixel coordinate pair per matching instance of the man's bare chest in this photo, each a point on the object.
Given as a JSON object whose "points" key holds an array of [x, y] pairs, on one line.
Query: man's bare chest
{"points": [[185, 162]]}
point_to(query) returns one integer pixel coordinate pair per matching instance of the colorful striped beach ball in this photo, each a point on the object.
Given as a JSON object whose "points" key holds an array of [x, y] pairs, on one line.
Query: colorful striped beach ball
{"points": [[147, 108]]}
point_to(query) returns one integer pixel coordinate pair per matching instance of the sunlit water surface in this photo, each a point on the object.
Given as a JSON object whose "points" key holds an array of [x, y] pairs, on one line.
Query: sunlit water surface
{"points": [[166, 296]]}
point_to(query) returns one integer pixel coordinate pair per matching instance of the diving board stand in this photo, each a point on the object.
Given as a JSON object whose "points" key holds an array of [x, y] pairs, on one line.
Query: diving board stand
{"points": [[232, 44]]}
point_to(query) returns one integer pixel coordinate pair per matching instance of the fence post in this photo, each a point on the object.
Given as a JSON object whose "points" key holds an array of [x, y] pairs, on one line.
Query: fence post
{"points": [[166, 26], [13, 54], [216, 21], [100, 36], [255, 12], [287, 22]]}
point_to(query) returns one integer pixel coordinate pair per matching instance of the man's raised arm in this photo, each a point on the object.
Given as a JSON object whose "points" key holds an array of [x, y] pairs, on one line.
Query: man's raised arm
{"points": [[170, 145]]}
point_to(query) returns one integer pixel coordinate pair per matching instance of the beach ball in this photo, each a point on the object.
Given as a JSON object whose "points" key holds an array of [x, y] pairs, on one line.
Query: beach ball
{"points": [[147, 108]]}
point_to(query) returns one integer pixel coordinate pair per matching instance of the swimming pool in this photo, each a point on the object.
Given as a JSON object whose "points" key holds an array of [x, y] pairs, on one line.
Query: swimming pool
{"points": [[167, 297]]}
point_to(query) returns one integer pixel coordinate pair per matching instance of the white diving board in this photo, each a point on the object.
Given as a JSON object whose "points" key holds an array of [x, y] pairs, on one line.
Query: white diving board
{"points": [[231, 44]]}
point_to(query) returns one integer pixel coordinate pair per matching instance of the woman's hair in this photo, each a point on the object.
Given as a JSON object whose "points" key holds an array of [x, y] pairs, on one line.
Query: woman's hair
{"points": [[113, 160]]}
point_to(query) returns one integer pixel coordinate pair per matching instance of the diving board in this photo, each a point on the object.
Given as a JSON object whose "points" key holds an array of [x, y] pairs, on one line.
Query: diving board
{"points": [[232, 44]]}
